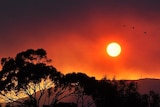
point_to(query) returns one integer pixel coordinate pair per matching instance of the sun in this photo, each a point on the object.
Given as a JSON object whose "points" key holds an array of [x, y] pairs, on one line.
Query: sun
{"points": [[113, 49]]}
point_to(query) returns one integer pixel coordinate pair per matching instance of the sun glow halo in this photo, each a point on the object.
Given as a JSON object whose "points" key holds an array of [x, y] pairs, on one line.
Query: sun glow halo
{"points": [[113, 49]]}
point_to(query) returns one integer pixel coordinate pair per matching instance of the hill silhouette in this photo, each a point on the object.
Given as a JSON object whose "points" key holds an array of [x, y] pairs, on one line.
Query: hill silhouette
{"points": [[148, 84]]}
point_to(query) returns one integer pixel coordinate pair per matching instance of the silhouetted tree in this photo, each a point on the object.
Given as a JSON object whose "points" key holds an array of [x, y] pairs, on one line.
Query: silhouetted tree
{"points": [[82, 87], [145, 100], [154, 99], [105, 94], [26, 74], [128, 94]]}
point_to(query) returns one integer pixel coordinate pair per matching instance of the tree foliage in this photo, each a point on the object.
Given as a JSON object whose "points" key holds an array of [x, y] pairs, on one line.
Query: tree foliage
{"points": [[25, 74]]}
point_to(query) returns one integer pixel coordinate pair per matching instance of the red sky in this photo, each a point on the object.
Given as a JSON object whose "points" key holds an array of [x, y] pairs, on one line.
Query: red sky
{"points": [[76, 33]]}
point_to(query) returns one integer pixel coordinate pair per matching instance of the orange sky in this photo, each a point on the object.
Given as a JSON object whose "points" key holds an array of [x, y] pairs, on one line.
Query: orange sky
{"points": [[76, 33]]}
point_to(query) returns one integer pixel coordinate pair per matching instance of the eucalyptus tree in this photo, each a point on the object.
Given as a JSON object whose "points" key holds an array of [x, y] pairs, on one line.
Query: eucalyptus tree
{"points": [[24, 75]]}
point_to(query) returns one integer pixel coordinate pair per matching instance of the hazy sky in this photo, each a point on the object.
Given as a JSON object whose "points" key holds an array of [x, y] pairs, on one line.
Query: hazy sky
{"points": [[75, 34]]}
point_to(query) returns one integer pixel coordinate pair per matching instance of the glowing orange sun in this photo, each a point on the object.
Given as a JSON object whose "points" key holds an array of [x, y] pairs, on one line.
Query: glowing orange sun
{"points": [[113, 49]]}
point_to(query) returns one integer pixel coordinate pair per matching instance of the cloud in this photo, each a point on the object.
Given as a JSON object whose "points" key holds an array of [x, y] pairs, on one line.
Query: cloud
{"points": [[75, 34]]}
